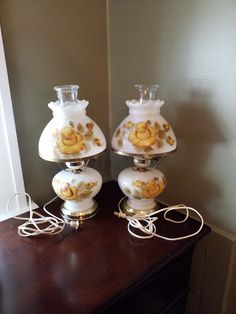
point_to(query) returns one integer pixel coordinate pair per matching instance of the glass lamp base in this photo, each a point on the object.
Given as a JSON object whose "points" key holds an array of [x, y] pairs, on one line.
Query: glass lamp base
{"points": [[127, 208], [77, 186], [69, 215], [141, 185]]}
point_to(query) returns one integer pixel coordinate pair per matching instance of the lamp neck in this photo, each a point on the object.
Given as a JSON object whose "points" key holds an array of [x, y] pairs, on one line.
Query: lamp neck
{"points": [[77, 166], [142, 164]]}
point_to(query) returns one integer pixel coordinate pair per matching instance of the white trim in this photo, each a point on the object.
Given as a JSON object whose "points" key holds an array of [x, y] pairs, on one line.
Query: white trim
{"points": [[9, 130]]}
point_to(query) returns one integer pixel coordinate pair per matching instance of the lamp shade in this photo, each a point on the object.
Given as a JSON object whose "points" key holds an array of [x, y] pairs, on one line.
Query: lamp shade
{"points": [[144, 132], [70, 135]]}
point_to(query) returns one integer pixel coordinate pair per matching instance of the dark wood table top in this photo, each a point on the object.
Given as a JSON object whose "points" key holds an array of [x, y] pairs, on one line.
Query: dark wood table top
{"points": [[82, 271]]}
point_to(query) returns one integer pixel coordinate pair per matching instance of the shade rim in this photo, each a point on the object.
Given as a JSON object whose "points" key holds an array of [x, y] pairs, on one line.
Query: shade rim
{"points": [[63, 160], [141, 156]]}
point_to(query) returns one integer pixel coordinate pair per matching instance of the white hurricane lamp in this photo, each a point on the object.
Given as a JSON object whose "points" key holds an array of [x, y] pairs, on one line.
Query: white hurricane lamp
{"points": [[73, 138], [143, 135]]}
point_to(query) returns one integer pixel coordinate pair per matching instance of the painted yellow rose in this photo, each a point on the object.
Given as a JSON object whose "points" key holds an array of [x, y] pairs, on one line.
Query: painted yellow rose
{"points": [[139, 183], [143, 136], [68, 192], [151, 188], [70, 141]]}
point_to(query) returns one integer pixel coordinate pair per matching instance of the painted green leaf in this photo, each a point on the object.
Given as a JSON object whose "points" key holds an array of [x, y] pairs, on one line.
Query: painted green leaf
{"points": [[148, 149], [81, 185], [117, 133], [127, 190], [85, 194], [80, 128], [88, 135]]}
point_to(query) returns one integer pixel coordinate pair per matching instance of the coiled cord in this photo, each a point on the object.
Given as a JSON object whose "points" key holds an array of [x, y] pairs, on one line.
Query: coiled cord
{"points": [[40, 225], [147, 224]]}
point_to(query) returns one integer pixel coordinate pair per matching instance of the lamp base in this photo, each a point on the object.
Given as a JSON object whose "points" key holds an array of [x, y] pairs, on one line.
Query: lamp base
{"points": [[127, 208], [69, 215], [141, 184], [77, 185]]}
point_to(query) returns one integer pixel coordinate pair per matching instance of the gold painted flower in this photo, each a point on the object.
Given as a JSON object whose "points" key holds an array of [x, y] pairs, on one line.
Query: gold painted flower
{"points": [[143, 135], [90, 125], [68, 192], [70, 142], [151, 188], [129, 124], [170, 140], [166, 127], [97, 141], [90, 185], [139, 183]]}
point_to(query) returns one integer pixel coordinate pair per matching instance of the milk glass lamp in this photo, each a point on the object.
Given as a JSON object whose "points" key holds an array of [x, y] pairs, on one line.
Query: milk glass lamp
{"points": [[73, 138], [144, 135]]}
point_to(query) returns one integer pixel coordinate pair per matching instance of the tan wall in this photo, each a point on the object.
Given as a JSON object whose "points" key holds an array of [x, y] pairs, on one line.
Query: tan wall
{"points": [[188, 48], [49, 43]]}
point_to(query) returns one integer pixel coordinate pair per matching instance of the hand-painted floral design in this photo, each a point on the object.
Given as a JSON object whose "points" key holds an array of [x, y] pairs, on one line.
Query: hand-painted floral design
{"points": [[144, 135], [149, 189], [71, 139], [129, 124], [97, 142], [70, 192], [90, 185], [90, 125], [67, 191], [170, 140]]}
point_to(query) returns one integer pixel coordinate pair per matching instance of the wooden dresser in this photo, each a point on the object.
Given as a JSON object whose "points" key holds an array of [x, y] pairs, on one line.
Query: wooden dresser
{"points": [[100, 268]]}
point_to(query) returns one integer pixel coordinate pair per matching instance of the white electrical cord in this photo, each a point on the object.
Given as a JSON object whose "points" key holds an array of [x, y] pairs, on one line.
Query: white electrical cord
{"points": [[51, 225], [147, 224]]}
